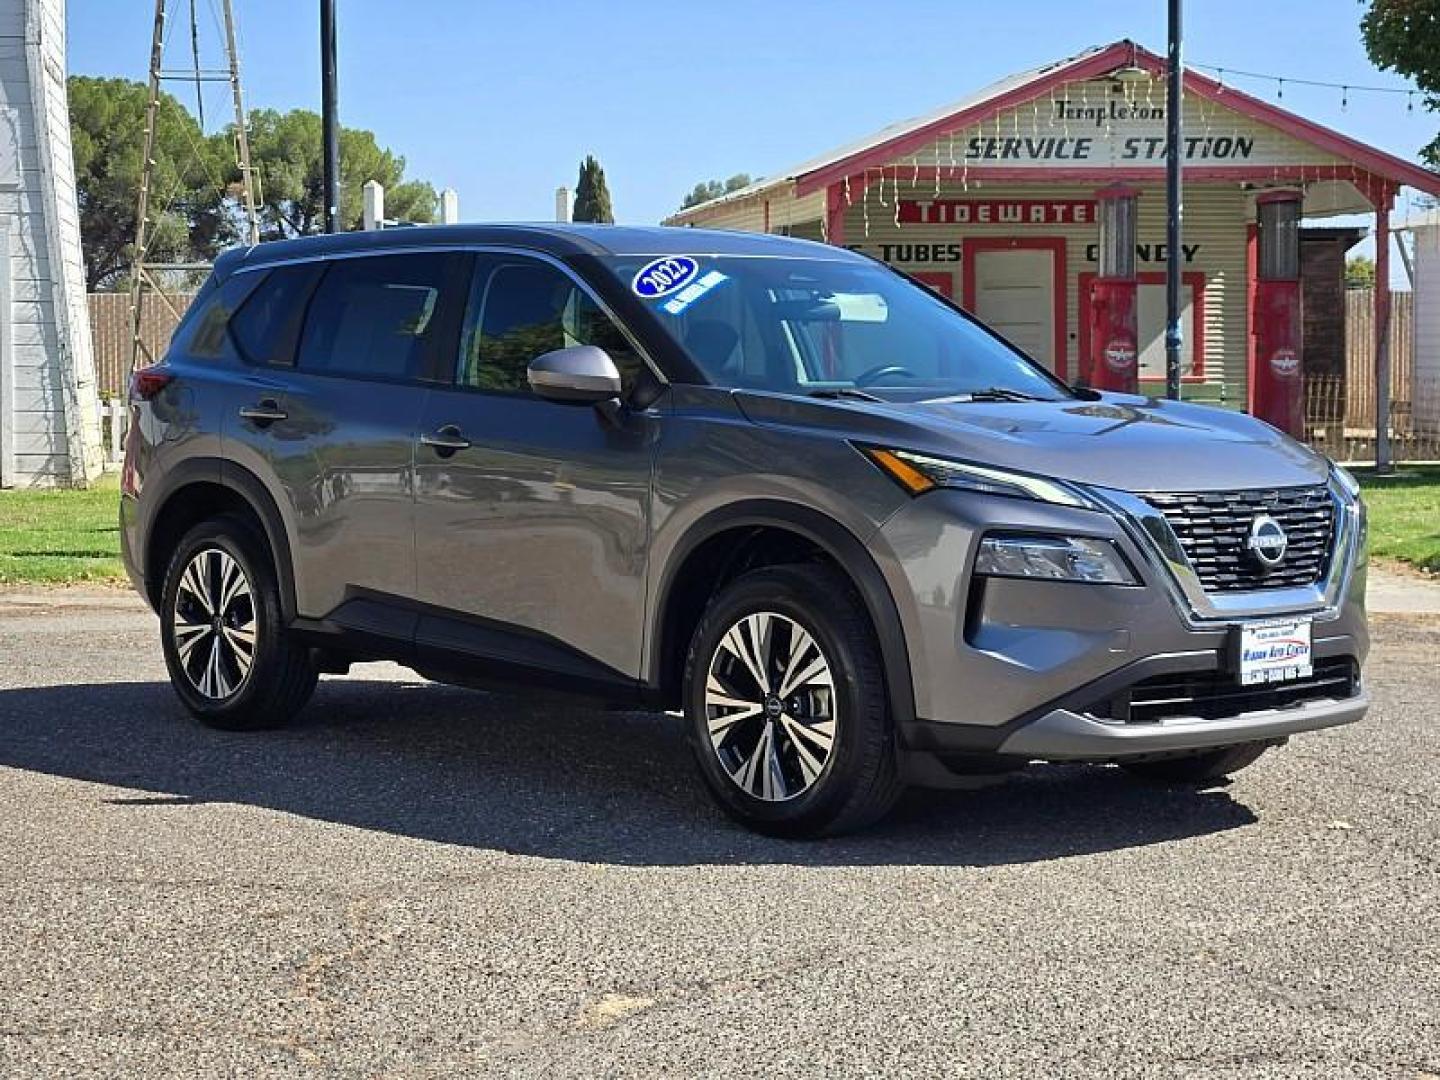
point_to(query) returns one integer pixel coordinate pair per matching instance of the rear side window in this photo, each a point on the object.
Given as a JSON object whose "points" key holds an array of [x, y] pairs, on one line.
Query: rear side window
{"points": [[201, 333], [267, 324], [384, 317], [521, 308]]}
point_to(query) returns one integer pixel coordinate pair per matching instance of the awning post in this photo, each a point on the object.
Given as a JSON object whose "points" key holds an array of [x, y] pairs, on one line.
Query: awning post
{"points": [[1383, 199]]}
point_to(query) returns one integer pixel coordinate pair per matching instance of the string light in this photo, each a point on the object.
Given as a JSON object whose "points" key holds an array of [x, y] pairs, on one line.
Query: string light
{"points": [[865, 204], [1300, 82]]}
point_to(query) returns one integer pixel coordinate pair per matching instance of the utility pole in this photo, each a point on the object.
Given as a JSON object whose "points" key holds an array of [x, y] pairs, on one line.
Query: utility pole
{"points": [[329, 119], [1174, 209]]}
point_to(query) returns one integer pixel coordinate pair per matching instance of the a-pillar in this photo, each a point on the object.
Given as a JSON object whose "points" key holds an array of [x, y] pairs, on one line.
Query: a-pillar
{"points": [[1277, 391]]}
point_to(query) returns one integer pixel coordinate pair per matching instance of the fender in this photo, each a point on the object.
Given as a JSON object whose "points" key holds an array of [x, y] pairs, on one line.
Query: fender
{"points": [[212, 470], [835, 540]]}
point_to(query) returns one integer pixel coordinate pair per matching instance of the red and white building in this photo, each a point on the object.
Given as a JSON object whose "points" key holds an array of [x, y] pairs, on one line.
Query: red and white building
{"points": [[998, 201]]}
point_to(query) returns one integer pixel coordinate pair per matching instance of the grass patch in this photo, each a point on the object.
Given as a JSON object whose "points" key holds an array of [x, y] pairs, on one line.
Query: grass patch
{"points": [[61, 537], [1405, 514]]}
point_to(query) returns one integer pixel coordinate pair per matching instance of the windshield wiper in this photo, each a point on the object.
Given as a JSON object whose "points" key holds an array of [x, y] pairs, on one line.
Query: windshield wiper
{"points": [[1000, 393], [847, 392]]}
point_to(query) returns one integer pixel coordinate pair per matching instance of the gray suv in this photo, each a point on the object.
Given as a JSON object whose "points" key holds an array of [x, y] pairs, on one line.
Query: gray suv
{"points": [[858, 539]]}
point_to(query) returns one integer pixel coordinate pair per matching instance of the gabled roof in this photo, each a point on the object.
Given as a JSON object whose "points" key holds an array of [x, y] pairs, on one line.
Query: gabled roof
{"points": [[894, 142]]}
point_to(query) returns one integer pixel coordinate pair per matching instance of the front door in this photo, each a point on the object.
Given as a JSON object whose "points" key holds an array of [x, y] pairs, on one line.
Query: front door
{"points": [[1016, 287], [532, 516]]}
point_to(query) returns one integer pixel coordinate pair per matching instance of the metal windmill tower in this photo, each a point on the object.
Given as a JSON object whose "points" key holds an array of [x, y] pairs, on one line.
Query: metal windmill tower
{"points": [[144, 279]]}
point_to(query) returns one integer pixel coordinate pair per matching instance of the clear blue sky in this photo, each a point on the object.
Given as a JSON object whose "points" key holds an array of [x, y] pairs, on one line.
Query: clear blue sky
{"points": [[500, 100]]}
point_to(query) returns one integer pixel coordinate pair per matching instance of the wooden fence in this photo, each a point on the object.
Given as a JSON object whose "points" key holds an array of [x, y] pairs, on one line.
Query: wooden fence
{"points": [[1340, 411], [110, 332]]}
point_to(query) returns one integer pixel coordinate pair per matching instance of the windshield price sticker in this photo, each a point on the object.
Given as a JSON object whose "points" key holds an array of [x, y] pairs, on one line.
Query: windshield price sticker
{"points": [[663, 276], [1275, 651]]}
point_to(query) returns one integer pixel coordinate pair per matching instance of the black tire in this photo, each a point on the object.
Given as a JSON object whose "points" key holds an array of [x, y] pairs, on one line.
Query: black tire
{"points": [[280, 677], [1200, 767], [860, 778]]}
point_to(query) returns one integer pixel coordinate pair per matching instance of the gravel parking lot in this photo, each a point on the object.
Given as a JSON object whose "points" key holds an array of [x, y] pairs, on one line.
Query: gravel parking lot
{"points": [[420, 881]]}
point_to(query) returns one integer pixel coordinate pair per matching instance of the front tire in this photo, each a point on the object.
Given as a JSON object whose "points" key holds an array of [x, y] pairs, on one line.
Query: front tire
{"points": [[785, 698], [1205, 766], [230, 659]]}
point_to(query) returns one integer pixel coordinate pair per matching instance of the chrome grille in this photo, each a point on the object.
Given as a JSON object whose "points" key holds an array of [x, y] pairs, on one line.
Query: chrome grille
{"points": [[1213, 526]]}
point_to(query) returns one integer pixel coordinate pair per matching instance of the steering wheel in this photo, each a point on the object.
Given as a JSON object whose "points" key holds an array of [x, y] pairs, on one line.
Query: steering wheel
{"points": [[875, 374]]}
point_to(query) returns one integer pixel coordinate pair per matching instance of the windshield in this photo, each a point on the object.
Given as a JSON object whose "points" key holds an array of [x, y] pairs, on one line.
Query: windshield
{"points": [[826, 327]]}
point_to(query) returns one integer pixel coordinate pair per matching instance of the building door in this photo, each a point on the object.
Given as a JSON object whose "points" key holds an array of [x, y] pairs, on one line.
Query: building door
{"points": [[1017, 287]]}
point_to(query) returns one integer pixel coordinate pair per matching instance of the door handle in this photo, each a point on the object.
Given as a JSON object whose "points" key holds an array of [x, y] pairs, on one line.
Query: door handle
{"points": [[446, 440], [263, 412]]}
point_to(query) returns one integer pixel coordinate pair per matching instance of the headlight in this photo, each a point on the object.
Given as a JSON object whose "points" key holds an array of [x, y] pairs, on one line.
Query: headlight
{"points": [[919, 473], [1058, 558], [1347, 481]]}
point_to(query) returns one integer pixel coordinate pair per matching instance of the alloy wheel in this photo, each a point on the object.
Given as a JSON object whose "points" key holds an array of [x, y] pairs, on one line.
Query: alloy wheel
{"points": [[214, 624], [770, 706]]}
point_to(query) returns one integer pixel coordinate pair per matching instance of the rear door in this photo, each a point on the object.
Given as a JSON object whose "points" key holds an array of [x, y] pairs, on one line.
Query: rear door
{"points": [[532, 516], [331, 406]]}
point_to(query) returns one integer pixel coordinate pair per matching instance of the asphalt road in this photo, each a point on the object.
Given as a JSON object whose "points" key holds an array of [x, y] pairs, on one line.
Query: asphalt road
{"points": [[419, 881]]}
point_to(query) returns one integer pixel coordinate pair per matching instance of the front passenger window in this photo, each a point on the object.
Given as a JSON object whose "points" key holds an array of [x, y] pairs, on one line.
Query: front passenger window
{"points": [[520, 309]]}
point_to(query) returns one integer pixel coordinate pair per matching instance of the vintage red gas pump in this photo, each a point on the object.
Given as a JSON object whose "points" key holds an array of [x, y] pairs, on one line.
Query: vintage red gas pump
{"points": [[1276, 386], [1113, 363]]}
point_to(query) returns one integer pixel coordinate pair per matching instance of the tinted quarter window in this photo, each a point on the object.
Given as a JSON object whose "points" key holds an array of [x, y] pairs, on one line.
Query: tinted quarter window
{"points": [[267, 324], [202, 332], [521, 308], [384, 316]]}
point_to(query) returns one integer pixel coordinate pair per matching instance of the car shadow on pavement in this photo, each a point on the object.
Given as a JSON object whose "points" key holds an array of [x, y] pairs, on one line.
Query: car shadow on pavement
{"points": [[555, 780]]}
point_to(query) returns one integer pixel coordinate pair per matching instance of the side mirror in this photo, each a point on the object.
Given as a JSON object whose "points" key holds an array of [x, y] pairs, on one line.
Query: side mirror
{"points": [[581, 373]]}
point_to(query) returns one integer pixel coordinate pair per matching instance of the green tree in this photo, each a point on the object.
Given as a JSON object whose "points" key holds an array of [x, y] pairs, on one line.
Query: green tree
{"points": [[592, 196], [1359, 272], [190, 221], [713, 189], [285, 150], [1404, 36]]}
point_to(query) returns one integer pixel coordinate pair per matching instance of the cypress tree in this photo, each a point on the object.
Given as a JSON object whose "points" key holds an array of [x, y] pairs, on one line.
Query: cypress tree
{"points": [[592, 197]]}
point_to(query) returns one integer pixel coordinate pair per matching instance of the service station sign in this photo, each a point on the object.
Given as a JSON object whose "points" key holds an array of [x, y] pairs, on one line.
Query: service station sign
{"points": [[1104, 124]]}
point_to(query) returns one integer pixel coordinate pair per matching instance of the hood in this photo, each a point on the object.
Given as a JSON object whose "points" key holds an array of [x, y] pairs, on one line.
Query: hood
{"points": [[1116, 441]]}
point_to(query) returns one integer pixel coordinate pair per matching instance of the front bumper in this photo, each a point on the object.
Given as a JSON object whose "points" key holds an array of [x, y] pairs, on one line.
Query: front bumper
{"points": [[1028, 668], [1062, 735]]}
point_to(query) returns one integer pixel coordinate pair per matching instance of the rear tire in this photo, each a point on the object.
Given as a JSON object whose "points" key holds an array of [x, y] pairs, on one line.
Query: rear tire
{"points": [[231, 661], [786, 703], [1197, 768]]}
